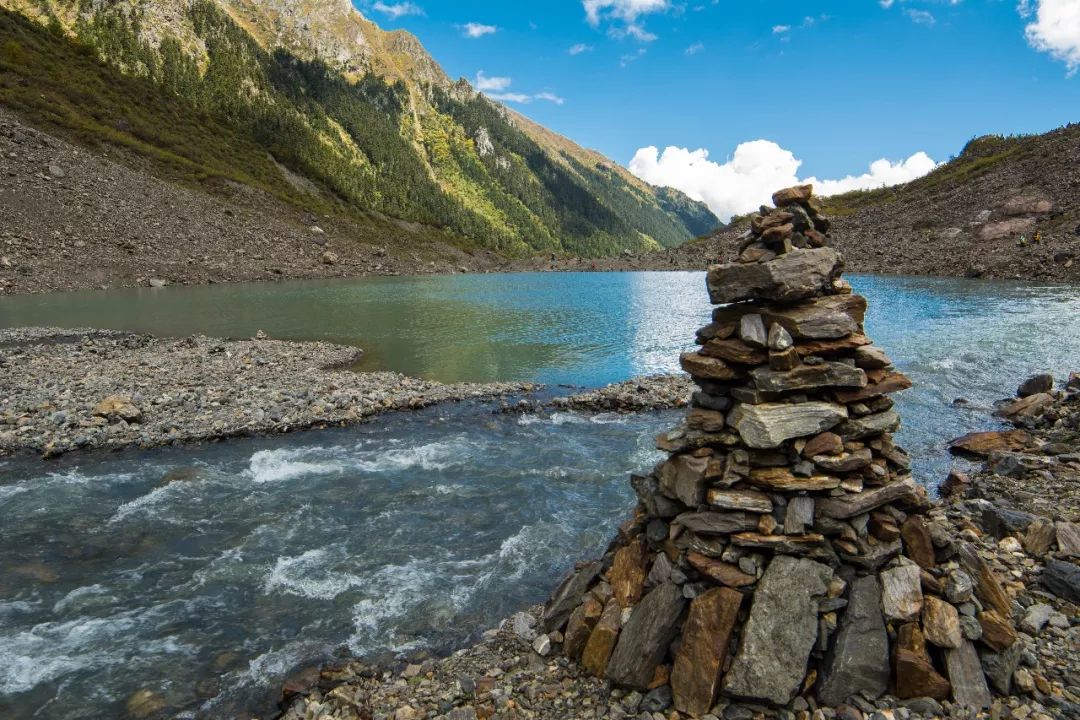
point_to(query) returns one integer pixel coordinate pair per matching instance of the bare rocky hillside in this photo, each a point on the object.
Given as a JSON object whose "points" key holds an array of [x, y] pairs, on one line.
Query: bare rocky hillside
{"points": [[1004, 208], [74, 219]]}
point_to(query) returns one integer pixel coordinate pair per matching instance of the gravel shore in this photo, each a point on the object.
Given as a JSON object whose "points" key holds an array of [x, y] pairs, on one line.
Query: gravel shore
{"points": [[652, 392], [1000, 510], [62, 390]]}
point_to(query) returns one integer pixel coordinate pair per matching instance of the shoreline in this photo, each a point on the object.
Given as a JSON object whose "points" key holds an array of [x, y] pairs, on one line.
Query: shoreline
{"points": [[567, 266]]}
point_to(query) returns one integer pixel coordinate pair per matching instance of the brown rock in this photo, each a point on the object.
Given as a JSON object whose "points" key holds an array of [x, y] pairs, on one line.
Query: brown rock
{"points": [[734, 350], [781, 360], [777, 234], [706, 636], [987, 586], [884, 527], [580, 626], [781, 478], [871, 357], [760, 223], [1028, 407], [749, 500], [997, 632], [720, 572], [917, 542], [797, 195], [1006, 228], [1040, 536], [1026, 205], [845, 462], [708, 368], [602, 640], [941, 623], [826, 443], [1068, 538], [956, 484], [893, 382], [915, 674], [859, 503], [984, 443], [710, 421], [627, 573], [118, 407], [824, 348], [826, 318]]}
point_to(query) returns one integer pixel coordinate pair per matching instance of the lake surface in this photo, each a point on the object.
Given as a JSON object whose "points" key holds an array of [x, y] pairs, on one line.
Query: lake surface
{"points": [[205, 574]]}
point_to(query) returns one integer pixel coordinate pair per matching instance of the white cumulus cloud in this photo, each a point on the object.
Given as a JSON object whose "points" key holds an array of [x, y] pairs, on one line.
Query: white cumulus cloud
{"points": [[1055, 29], [628, 10], [756, 170], [485, 83], [475, 30], [497, 88], [397, 10], [624, 15], [579, 48]]}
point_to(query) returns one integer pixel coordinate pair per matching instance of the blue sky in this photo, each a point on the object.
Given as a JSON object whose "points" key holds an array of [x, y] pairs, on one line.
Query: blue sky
{"points": [[836, 84]]}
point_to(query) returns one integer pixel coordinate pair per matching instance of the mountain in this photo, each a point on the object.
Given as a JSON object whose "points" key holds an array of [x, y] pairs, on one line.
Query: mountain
{"points": [[313, 104], [977, 215]]}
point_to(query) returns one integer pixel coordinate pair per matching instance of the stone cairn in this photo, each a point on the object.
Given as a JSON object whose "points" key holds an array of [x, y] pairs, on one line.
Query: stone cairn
{"points": [[781, 555]]}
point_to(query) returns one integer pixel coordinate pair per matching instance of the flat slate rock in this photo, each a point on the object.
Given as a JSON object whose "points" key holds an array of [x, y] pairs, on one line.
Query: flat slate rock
{"points": [[793, 276], [826, 318], [644, 639], [781, 631], [982, 444], [966, 677], [858, 661], [768, 425], [808, 377]]}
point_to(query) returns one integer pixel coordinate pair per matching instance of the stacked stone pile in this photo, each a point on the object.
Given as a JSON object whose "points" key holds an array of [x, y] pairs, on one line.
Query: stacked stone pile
{"points": [[782, 555]]}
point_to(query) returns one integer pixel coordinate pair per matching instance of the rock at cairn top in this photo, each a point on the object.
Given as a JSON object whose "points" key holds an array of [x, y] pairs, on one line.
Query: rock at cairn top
{"points": [[781, 549]]}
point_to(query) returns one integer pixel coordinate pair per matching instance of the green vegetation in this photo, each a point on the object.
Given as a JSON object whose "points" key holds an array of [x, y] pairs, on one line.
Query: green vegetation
{"points": [[232, 113]]}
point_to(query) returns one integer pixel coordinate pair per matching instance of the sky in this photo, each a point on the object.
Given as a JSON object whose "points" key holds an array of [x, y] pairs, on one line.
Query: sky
{"points": [[728, 100]]}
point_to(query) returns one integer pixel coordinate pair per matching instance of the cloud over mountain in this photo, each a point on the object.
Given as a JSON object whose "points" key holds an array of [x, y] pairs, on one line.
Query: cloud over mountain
{"points": [[754, 171]]}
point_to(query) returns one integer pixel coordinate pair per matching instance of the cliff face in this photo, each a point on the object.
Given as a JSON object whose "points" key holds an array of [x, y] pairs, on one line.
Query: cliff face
{"points": [[366, 118]]}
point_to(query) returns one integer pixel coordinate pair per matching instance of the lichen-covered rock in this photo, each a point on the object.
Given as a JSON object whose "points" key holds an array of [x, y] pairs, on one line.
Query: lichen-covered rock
{"points": [[778, 636]]}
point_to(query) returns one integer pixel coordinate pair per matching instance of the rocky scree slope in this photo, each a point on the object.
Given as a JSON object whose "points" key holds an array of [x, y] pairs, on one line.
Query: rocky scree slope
{"points": [[315, 105], [977, 215], [72, 219]]}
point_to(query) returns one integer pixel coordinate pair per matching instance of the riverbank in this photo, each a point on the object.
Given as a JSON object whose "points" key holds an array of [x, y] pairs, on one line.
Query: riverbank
{"points": [[82, 389], [1001, 510], [65, 390]]}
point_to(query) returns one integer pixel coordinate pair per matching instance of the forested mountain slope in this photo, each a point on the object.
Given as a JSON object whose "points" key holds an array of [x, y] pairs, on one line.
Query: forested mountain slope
{"points": [[311, 103]]}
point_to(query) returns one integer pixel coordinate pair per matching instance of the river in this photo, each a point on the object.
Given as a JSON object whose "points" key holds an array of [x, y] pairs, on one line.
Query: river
{"points": [[204, 574]]}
